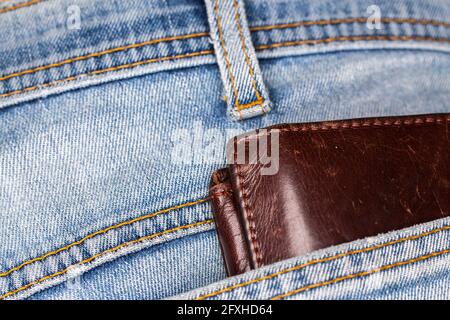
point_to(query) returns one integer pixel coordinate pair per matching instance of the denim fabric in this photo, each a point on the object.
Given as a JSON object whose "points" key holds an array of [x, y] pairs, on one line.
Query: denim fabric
{"points": [[90, 188], [128, 275], [246, 94]]}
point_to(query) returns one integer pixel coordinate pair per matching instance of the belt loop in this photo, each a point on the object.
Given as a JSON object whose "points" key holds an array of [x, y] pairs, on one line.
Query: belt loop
{"points": [[246, 94]]}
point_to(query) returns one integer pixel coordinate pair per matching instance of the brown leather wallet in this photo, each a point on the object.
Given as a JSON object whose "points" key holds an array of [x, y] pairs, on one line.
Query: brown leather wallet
{"points": [[335, 182]]}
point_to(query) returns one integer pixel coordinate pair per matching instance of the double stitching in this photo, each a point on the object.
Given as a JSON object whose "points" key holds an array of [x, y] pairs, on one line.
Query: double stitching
{"points": [[350, 38], [103, 231], [259, 100], [350, 20], [114, 249], [251, 223], [207, 52], [362, 274], [357, 124], [102, 53], [322, 260], [124, 66], [205, 34]]}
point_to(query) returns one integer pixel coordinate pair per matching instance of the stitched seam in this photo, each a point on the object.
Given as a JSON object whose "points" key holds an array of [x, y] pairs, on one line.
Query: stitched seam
{"points": [[351, 38], [225, 55], [196, 35], [362, 274], [251, 222], [20, 5], [114, 249], [322, 260], [351, 20], [356, 124], [92, 235], [125, 66], [101, 53], [259, 100], [260, 48]]}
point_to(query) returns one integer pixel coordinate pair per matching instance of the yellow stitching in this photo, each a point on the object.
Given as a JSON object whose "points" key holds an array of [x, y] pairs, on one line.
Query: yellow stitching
{"points": [[316, 261], [125, 223], [250, 104], [130, 65], [191, 225], [350, 20], [101, 53], [225, 54], [20, 5], [351, 38], [260, 48], [259, 100], [239, 106], [195, 35], [362, 274]]}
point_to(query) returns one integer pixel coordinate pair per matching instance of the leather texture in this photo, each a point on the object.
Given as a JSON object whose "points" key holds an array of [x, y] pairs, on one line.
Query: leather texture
{"points": [[337, 181]]}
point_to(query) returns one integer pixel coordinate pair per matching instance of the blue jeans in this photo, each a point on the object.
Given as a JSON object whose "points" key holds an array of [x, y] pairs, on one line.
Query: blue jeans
{"points": [[108, 118]]}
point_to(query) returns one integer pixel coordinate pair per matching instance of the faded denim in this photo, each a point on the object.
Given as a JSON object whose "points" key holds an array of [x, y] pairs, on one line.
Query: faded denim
{"points": [[93, 204]]}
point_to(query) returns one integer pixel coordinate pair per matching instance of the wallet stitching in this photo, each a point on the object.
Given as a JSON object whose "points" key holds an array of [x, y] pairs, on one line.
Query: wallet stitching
{"points": [[357, 124], [259, 100], [251, 223], [354, 124]]}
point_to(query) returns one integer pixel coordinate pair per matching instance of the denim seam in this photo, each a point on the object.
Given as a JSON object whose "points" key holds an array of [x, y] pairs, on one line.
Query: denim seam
{"points": [[227, 61], [207, 52], [120, 67], [362, 274], [238, 106], [100, 232], [322, 260], [259, 100], [204, 34], [199, 35], [351, 38], [246, 95], [114, 249], [326, 22], [102, 53], [357, 124]]}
